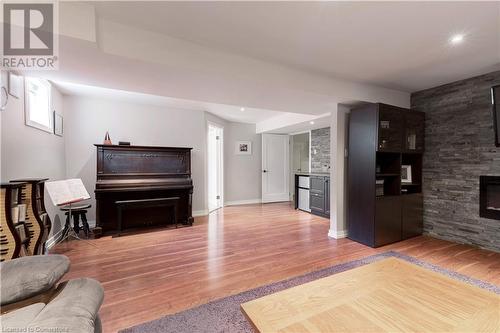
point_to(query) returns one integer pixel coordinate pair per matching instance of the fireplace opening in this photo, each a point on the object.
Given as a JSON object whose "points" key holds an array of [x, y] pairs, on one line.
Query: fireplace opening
{"points": [[489, 197]]}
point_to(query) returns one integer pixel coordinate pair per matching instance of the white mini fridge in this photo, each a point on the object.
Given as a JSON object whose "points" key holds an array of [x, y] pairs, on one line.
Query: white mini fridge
{"points": [[303, 199]]}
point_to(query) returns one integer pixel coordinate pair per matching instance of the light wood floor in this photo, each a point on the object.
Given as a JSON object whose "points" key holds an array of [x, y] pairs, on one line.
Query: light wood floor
{"points": [[148, 275], [390, 295]]}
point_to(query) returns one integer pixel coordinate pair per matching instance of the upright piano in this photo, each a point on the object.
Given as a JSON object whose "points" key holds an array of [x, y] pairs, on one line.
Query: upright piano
{"points": [[140, 177]]}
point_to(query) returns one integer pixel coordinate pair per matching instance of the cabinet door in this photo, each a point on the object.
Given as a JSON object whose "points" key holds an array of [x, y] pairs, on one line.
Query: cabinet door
{"points": [[390, 128], [387, 220], [317, 184], [414, 131], [317, 203], [412, 215], [327, 196]]}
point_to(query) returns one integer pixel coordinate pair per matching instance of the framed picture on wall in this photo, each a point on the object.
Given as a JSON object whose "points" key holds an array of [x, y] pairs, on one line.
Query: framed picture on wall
{"points": [[58, 124], [406, 174], [244, 148]]}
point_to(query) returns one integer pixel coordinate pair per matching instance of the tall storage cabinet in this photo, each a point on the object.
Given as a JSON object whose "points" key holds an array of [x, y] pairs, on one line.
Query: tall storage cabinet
{"points": [[385, 142]]}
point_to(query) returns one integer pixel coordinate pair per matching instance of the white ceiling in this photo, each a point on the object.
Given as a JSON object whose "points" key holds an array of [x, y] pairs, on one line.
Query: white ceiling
{"points": [[320, 122], [228, 112], [400, 45]]}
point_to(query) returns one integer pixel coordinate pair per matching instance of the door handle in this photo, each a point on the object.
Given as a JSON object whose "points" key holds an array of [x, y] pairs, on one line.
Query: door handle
{"points": [[264, 171]]}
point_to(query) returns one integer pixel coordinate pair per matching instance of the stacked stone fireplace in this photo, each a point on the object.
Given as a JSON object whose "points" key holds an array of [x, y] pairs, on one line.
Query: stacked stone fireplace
{"points": [[459, 148]]}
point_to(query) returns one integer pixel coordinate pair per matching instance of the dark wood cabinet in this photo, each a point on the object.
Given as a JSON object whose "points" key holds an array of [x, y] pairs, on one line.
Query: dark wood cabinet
{"points": [[319, 192], [390, 128], [413, 140], [387, 220], [412, 212], [383, 141]]}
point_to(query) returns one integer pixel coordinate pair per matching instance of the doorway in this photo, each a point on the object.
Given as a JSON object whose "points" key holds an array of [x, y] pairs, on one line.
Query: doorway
{"points": [[300, 147], [215, 168], [300, 158]]}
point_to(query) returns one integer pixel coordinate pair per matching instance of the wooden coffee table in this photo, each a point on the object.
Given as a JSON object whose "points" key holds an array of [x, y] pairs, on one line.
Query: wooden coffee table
{"points": [[385, 296]]}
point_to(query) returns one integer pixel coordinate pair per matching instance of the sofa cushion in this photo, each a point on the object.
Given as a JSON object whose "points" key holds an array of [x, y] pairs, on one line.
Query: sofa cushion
{"points": [[74, 309], [18, 320], [25, 277]]}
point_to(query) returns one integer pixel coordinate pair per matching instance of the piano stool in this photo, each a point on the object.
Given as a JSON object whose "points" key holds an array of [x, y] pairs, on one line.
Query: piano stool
{"points": [[78, 211]]}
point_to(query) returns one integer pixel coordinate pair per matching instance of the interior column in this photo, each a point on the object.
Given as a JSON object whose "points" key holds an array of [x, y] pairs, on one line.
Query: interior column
{"points": [[338, 162]]}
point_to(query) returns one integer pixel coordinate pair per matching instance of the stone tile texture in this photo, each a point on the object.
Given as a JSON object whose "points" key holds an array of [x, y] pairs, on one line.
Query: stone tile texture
{"points": [[320, 150], [460, 146]]}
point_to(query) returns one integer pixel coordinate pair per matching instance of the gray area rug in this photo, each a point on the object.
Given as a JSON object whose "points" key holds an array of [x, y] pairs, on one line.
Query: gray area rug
{"points": [[224, 315]]}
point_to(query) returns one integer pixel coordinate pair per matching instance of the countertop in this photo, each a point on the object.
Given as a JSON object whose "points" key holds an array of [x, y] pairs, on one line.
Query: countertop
{"points": [[313, 174]]}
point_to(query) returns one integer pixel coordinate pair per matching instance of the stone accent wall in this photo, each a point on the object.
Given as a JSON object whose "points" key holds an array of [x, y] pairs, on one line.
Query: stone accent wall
{"points": [[460, 146], [320, 150]]}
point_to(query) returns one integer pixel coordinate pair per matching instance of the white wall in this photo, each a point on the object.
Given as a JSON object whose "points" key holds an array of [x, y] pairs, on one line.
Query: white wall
{"points": [[28, 152], [242, 173], [88, 119], [243, 176], [339, 132]]}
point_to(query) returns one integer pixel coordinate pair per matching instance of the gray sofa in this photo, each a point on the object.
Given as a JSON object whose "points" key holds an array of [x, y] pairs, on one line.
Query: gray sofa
{"points": [[32, 301]]}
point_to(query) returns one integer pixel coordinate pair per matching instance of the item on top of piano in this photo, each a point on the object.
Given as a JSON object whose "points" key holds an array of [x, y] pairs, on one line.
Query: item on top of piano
{"points": [[10, 242], [143, 173], [37, 221], [107, 139], [124, 143], [63, 192]]}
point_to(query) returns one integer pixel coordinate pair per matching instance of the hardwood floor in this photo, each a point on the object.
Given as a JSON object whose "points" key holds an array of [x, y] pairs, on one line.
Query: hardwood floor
{"points": [[148, 275]]}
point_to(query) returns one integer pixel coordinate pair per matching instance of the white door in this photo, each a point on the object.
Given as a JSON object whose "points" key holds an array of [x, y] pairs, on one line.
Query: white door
{"points": [[275, 168], [215, 167]]}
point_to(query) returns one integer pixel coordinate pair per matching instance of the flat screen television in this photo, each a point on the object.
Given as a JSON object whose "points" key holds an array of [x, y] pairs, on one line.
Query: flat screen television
{"points": [[495, 100]]}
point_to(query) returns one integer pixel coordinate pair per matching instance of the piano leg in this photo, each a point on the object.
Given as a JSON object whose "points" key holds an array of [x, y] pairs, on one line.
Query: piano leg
{"points": [[190, 208]]}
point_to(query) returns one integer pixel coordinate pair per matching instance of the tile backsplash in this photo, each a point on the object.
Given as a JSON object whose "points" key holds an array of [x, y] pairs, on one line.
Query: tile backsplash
{"points": [[320, 150]]}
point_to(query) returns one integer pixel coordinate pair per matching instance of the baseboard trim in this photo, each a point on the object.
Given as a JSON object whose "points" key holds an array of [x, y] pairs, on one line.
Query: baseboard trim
{"points": [[337, 234], [242, 202], [55, 238], [198, 213]]}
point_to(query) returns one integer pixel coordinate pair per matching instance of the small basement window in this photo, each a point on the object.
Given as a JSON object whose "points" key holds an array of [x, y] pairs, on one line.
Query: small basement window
{"points": [[38, 110]]}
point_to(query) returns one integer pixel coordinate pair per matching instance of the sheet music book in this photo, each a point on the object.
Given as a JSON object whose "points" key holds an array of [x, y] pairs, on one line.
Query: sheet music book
{"points": [[63, 192]]}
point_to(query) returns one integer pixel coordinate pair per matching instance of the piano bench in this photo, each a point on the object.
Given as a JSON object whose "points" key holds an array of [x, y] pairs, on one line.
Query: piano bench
{"points": [[145, 203]]}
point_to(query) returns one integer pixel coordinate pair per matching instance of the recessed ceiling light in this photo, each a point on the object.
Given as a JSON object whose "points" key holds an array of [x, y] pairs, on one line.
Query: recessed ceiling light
{"points": [[242, 109], [311, 122], [457, 39]]}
